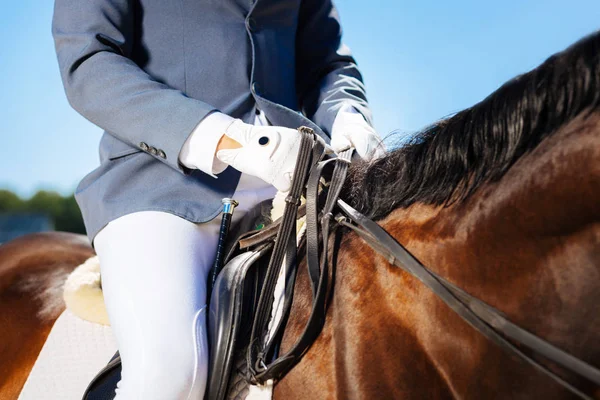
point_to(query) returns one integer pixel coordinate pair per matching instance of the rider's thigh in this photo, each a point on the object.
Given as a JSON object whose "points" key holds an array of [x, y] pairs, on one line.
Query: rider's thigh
{"points": [[153, 270]]}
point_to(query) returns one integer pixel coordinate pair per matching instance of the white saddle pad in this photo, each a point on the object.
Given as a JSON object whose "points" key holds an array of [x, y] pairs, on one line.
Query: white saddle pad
{"points": [[73, 354]]}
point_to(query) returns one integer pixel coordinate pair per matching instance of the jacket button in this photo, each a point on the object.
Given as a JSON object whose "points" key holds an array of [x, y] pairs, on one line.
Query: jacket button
{"points": [[255, 88], [143, 146], [153, 150], [162, 154]]}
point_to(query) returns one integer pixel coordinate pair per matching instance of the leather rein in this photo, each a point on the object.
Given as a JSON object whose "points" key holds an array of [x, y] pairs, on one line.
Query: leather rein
{"points": [[263, 360]]}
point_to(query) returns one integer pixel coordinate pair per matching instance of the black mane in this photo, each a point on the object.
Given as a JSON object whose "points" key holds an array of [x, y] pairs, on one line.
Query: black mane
{"points": [[449, 160]]}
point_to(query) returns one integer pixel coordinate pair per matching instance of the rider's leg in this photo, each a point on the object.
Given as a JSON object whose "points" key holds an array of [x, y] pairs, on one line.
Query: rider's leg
{"points": [[154, 267]]}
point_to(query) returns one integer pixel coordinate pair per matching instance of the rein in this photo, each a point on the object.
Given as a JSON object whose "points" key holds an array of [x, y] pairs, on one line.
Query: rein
{"points": [[262, 360], [262, 349]]}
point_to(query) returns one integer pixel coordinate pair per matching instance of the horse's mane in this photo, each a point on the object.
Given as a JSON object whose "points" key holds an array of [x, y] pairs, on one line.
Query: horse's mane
{"points": [[449, 160]]}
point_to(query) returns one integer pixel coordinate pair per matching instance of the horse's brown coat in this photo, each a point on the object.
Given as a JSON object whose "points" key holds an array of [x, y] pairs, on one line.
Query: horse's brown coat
{"points": [[528, 245], [25, 261]]}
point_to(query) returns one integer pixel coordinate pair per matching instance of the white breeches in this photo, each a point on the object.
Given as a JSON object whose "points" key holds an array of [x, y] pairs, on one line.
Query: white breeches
{"points": [[154, 267]]}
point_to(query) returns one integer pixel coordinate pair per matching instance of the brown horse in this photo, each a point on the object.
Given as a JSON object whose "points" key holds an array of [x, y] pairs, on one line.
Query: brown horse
{"points": [[33, 269], [502, 200]]}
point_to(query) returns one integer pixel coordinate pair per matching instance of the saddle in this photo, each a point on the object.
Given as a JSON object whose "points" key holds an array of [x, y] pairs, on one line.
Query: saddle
{"points": [[243, 340]]}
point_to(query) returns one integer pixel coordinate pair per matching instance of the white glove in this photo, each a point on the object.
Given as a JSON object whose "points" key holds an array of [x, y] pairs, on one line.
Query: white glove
{"points": [[350, 129], [267, 152]]}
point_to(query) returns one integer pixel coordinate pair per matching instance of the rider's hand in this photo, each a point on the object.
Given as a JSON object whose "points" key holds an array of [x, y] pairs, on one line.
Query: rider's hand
{"points": [[350, 129], [267, 152]]}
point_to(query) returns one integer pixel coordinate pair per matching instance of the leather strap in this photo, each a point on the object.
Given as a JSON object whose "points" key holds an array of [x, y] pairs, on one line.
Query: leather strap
{"points": [[260, 370], [256, 357], [317, 265], [251, 238]]}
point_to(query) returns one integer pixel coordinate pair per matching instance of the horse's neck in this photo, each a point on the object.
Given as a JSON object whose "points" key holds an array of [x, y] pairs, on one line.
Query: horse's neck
{"points": [[527, 245], [509, 230]]}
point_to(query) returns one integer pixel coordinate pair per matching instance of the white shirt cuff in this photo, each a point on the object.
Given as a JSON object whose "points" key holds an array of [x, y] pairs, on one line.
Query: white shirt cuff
{"points": [[199, 149]]}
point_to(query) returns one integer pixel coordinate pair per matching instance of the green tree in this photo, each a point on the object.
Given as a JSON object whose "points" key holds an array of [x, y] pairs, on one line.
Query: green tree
{"points": [[50, 202], [63, 211], [9, 201]]}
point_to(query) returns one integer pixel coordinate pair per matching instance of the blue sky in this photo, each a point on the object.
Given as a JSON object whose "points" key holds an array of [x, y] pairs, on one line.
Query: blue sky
{"points": [[421, 61]]}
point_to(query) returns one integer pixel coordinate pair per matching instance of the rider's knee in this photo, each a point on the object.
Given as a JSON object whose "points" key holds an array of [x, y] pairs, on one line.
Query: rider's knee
{"points": [[174, 367], [164, 375]]}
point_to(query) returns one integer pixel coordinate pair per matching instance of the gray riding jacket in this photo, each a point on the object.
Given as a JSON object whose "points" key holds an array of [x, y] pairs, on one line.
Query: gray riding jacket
{"points": [[148, 71]]}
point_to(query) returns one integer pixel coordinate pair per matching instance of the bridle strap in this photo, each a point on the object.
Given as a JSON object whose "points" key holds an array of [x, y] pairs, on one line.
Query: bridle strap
{"points": [[283, 364], [259, 368], [311, 151], [478, 314]]}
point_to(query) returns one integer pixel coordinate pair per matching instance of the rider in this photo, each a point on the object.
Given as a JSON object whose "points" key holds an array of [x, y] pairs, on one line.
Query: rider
{"points": [[198, 100]]}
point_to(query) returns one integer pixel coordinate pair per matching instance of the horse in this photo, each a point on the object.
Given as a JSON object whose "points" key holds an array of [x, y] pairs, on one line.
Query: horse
{"points": [[33, 269], [500, 199]]}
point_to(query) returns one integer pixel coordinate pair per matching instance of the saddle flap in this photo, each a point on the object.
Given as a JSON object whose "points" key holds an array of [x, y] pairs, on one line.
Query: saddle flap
{"points": [[232, 304]]}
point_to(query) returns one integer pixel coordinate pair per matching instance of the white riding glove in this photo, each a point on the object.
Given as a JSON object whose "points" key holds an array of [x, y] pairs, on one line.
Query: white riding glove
{"points": [[350, 129], [267, 152]]}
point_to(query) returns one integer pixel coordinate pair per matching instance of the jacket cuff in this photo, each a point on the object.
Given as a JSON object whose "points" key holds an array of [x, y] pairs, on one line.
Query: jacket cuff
{"points": [[199, 149]]}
